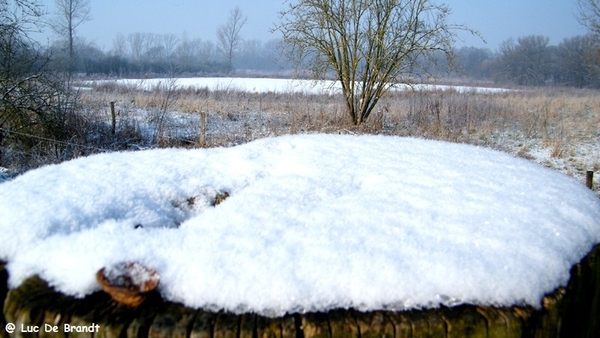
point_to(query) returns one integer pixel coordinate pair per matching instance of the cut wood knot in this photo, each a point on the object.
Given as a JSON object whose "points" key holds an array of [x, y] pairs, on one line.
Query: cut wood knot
{"points": [[128, 283]]}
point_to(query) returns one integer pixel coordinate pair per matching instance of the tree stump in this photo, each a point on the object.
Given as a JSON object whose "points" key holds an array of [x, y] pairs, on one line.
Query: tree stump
{"points": [[573, 311], [3, 293]]}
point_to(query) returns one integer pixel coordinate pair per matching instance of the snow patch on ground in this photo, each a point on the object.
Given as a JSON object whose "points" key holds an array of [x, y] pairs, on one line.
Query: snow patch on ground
{"points": [[270, 85], [312, 222]]}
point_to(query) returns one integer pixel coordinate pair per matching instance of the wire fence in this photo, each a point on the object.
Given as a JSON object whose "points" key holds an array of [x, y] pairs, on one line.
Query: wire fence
{"points": [[11, 133]]}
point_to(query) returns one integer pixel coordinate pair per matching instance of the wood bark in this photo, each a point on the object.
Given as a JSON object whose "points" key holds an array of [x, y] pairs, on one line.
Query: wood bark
{"points": [[573, 311]]}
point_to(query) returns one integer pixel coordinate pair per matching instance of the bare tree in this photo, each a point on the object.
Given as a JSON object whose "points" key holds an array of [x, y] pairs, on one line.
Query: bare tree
{"points": [[161, 47], [17, 60], [526, 62], [70, 14], [137, 43], [170, 42], [230, 40], [20, 63], [120, 45], [367, 44], [577, 62], [206, 51], [35, 105], [185, 53], [589, 15]]}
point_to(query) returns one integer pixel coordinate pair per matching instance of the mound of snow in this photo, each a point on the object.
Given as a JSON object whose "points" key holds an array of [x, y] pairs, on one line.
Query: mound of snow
{"points": [[312, 222]]}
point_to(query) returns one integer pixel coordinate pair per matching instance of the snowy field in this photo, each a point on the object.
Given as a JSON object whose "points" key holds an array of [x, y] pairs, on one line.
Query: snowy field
{"points": [[266, 85], [312, 222]]}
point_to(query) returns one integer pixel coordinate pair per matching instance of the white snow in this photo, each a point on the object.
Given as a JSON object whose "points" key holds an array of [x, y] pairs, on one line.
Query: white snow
{"points": [[274, 85], [312, 222]]}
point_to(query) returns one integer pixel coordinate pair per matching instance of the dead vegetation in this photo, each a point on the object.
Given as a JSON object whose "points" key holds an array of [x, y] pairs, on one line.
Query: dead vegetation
{"points": [[556, 117], [559, 128]]}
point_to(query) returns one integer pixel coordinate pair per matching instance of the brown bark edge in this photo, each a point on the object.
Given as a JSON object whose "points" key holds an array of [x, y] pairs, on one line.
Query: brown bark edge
{"points": [[573, 311]]}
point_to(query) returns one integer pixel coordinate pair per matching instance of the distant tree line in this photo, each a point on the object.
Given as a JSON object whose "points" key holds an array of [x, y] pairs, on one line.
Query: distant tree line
{"points": [[532, 61], [527, 61], [146, 53]]}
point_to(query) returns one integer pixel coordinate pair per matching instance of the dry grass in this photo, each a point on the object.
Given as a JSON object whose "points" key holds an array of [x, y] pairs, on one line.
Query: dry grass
{"points": [[563, 122], [557, 117]]}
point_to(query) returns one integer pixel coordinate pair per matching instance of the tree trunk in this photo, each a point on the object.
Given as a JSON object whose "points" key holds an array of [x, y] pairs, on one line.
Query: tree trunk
{"points": [[573, 311]]}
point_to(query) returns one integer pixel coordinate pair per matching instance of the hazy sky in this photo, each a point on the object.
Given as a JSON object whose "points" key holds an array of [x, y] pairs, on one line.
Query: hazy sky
{"points": [[497, 20]]}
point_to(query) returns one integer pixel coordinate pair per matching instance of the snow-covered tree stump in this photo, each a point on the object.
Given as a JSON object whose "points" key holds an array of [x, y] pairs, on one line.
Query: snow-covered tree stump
{"points": [[3, 292], [573, 311]]}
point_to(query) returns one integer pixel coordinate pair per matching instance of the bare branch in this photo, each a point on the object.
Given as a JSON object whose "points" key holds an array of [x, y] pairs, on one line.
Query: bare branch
{"points": [[589, 15]]}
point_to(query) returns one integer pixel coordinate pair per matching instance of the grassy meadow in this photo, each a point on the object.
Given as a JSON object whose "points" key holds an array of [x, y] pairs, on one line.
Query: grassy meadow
{"points": [[558, 128]]}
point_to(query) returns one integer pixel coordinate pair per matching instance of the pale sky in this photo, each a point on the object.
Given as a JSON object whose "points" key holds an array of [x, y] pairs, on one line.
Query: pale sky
{"points": [[496, 20]]}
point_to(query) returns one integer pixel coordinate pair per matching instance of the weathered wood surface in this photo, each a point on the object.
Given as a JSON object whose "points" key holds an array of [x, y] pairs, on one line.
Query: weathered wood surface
{"points": [[573, 311], [3, 292]]}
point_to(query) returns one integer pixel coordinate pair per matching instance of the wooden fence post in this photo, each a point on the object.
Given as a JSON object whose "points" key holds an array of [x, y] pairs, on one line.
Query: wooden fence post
{"points": [[589, 179], [202, 139], [113, 115]]}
